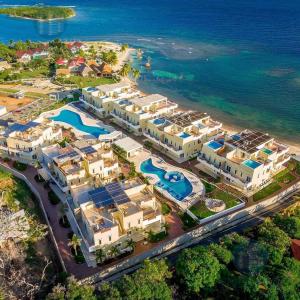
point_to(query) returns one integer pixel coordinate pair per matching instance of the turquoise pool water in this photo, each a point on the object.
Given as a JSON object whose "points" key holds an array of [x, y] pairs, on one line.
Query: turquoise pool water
{"points": [[179, 189], [251, 163], [74, 119], [214, 145]]}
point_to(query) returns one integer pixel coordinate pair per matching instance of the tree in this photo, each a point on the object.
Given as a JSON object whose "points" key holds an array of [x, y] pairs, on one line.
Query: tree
{"points": [[149, 282], [130, 244], [136, 74], [72, 291], [124, 47], [110, 57], [125, 70], [58, 293], [100, 256], [290, 225], [75, 243], [221, 253], [197, 269], [92, 52], [109, 292], [275, 240], [114, 251], [287, 278], [76, 291]]}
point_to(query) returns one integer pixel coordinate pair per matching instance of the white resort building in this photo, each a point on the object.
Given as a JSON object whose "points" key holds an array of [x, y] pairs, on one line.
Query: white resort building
{"points": [[23, 142], [84, 163], [182, 134], [247, 160], [133, 114], [118, 212], [99, 99]]}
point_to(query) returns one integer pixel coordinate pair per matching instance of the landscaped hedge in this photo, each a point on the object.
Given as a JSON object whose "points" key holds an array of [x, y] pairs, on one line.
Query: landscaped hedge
{"points": [[19, 166]]}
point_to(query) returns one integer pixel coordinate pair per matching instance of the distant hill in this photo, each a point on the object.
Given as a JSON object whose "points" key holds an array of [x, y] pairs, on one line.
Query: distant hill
{"points": [[39, 12]]}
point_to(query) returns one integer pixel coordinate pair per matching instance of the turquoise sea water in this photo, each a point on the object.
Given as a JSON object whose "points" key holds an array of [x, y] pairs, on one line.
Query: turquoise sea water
{"points": [[74, 119], [179, 189], [237, 60]]}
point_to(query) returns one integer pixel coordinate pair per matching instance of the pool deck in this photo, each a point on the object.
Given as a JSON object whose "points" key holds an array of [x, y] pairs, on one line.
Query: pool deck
{"points": [[198, 191], [86, 120]]}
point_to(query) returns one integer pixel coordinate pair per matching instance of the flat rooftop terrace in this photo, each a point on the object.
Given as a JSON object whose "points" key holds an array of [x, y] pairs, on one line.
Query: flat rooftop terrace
{"points": [[249, 140]]}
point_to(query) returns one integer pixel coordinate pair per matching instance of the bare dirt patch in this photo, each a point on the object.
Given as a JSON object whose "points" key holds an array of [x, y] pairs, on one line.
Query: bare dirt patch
{"points": [[12, 103]]}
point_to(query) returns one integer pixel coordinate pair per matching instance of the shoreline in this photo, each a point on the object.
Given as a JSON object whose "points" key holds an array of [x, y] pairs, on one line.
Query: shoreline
{"points": [[231, 129], [41, 20]]}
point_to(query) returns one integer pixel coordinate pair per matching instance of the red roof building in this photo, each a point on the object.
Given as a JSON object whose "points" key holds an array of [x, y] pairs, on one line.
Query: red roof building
{"points": [[296, 249], [61, 61]]}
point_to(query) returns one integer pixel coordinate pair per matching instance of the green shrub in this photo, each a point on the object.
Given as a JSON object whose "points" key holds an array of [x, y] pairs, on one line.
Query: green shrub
{"points": [[19, 166], [165, 208], [156, 237], [187, 220]]}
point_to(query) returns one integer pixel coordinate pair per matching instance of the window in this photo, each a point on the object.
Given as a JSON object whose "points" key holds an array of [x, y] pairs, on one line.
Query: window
{"points": [[129, 225], [109, 238], [139, 221]]}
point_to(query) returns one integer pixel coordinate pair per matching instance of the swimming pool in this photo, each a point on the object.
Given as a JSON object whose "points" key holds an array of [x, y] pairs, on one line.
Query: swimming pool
{"points": [[251, 163], [74, 119], [179, 189], [214, 145]]}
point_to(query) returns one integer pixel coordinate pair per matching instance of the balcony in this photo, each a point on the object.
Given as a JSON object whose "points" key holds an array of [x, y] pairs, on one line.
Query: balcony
{"points": [[168, 147], [123, 120], [226, 174]]}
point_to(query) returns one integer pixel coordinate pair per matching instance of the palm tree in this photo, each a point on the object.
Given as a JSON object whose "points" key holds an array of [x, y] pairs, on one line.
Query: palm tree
{"points": [[124, 47], [125, 70], [136, 74], [130, 244], [100, 256], [75, 243], [114, 251]]}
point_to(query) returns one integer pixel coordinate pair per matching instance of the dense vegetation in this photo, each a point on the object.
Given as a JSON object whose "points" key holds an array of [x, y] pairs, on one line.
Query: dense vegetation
{"points": [[39, 12], [256, 265], [26, 267]]}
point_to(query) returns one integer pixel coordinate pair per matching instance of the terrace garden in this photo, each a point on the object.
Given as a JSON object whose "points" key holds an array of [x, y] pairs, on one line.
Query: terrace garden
{"points": [[201, 210], [280, 181]]}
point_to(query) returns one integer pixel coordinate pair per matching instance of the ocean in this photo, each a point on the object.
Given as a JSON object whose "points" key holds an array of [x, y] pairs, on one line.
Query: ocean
{"points": [[237, 60]]}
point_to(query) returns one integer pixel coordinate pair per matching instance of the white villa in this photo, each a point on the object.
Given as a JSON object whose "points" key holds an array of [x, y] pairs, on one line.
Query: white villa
{"points": [[182, 134], [117, 212], [247, 160], [133, 114], [84, 163], [24, 142], [100, 98]]}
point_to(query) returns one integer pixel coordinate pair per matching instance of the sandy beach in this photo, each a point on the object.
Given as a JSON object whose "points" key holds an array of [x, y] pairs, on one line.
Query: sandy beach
{"points": [[230, 129]]}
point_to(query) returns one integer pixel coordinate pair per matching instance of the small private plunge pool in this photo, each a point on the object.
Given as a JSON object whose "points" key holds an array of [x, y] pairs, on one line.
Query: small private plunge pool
{"points": [[174, 182], [74, 119]]}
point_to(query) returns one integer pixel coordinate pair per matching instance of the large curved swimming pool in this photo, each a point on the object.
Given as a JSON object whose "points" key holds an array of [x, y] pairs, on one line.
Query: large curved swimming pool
{"points": [[73, 119], [175, 183]]}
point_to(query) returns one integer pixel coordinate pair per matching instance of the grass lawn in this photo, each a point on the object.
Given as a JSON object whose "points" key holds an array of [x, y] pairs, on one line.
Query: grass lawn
{"points": [[7, 90], [36, 95], [267, 191], [86, 81], [201, 211], [284, 176], [40, 72]]}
